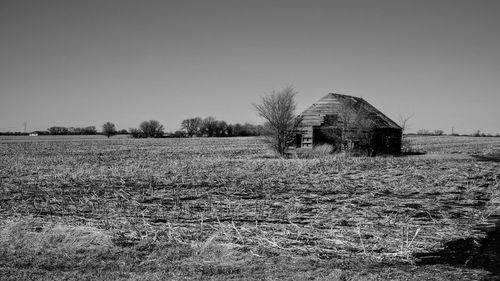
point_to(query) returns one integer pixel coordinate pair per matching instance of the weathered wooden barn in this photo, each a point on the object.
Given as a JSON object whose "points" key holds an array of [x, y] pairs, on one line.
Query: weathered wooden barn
{"points": [[349, 124]]}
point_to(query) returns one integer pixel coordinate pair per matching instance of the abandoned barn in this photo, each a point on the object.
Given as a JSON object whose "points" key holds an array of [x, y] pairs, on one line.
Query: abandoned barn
{"points": [[349, 124]]}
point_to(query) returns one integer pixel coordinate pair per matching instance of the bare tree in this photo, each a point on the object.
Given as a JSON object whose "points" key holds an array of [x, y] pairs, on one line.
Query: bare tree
{"points": [[403, 122], [348, 118], [109, 129], [221, 129], [406, 146], [209, 126], [192, 126], [136, 133], [151, 128], [278, 109]]}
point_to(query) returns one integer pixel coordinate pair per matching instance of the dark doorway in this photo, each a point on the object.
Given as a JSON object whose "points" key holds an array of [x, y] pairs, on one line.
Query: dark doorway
{"points": [[298, 140], [326, 135]]}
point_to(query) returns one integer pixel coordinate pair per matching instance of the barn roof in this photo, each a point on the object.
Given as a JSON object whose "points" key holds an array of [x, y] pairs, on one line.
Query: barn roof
{"points": [[332, 103]]}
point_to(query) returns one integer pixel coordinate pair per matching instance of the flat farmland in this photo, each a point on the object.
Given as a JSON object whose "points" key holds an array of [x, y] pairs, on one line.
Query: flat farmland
{"points": [[455, 144], [229, 208]]}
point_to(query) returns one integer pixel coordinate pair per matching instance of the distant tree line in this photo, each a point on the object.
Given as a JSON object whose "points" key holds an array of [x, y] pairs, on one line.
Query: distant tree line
{"points": [[148, 129], [425, 132], [22, 133], [58, 130], [211, 127], [89, 130], [478, 133], [197, 127], [207, 127]]}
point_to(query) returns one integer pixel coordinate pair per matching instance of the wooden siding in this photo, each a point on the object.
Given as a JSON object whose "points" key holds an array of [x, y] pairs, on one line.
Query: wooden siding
{"points": [[328, 108]]}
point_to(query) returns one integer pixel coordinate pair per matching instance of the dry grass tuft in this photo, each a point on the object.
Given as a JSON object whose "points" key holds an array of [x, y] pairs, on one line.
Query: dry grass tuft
{"points": [[214, 251], [319, 151], [27, 235]]}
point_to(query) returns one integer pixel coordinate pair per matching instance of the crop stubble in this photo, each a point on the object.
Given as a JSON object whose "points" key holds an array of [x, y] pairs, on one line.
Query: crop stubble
{"points": [[235, 191]]}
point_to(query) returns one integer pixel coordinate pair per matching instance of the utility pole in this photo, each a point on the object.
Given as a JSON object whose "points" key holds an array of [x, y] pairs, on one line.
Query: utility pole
{"points": [[25, 125]]}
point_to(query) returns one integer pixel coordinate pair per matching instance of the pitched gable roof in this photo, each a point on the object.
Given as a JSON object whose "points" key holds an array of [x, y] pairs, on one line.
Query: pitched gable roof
{"points": [[332, 104]]}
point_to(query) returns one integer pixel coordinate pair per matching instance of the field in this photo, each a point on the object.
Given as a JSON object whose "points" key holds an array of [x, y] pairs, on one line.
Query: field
{"points": [[229, 208]]}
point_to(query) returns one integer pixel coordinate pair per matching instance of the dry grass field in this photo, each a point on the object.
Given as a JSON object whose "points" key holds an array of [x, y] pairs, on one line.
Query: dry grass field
{"points": [[225, 209]]}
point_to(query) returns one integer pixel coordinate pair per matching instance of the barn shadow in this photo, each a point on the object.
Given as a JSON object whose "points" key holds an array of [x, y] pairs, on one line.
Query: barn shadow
{"points": [[492, 157], [469, 252]]}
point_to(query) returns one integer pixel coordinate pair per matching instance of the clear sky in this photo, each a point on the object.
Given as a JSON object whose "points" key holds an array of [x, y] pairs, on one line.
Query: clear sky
{"points": [[85, 62]]}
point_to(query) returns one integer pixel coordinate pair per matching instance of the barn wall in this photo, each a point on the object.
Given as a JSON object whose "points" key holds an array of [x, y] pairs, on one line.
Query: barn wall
{"points": [[383, 140], [320, 123]]}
